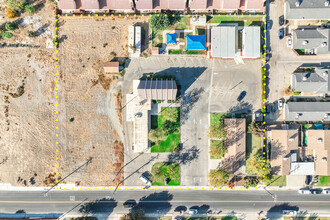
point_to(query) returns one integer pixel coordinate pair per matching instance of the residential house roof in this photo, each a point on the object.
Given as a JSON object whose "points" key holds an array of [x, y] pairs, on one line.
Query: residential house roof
{"points": [[121, 4], [251, 41], [223, 41], [157, 89], [319, 148], [144, 4], [307, 9], [88, 4], [234, 160], [316, 81], [196, 42], [171, 38], [253, 4], [111, 67], [306, 111], [312, 38], [67, 4], [284, 143], [230, 4]]}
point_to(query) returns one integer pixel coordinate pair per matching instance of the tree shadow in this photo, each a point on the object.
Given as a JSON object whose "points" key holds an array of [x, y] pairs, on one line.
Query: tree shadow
{"points": [[154, 203], [189, 100], [233, 163], [184, 158], [241, 107], [104, 206], [275, 211]]}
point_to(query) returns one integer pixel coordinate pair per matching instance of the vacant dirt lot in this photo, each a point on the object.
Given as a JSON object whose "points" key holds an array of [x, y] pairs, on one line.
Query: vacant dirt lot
{"points": [[88, 123]]}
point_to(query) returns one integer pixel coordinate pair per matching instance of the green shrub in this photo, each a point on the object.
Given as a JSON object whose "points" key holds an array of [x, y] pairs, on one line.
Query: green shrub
{"points": [[159, 22], [32, 34], [7, 35], [10, 26], [195, 52], [218, 149], [296, 93], [30, 9], [171, 51]]}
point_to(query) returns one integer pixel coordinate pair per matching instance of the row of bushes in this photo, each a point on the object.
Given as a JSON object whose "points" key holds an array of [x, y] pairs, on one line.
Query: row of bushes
{"points": [[263, 87], [15, 7], [179, 51]]}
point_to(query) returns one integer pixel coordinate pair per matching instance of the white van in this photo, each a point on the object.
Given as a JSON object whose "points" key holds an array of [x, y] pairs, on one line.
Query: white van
{"points": [[145, 179]]}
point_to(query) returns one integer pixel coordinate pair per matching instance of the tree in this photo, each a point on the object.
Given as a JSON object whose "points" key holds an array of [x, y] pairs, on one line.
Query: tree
{"points": [[7, 35], [22, 4], [134, 215], [29, 9], [10, 13], [32, 34], [169, 127], [13, 4], [10, 26], [218, 149], [256, 129], [218, 178], [259, 165], [218, 130], [170, 114], [156, 135], [160, 22]]}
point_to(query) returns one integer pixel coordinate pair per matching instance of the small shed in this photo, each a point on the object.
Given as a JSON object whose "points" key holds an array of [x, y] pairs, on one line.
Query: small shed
{"points": [[111, 67], [196, 42], [155, 50], [171, 38]]}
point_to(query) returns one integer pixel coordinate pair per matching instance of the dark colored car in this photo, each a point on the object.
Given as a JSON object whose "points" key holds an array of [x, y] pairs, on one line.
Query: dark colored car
{"points": [[268, 26], [281, 34], [129, 203], [241, 96], [316, 191], [281, 20]]}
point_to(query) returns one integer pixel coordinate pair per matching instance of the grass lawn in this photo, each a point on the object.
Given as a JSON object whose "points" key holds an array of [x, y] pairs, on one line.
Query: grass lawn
{"points": [[200, 30], [161, 170], [277, 181], [238, 20], [215, 117], [172, 139], [324, 181]]}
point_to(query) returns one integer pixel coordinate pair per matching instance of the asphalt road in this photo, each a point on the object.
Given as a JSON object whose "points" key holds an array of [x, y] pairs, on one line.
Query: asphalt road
{"points": [[161, 202]]}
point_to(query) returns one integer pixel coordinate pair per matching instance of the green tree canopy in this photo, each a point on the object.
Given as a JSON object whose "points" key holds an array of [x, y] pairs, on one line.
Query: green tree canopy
{"points": [[170, 114], [156, 135], [259, 165], [218, 178], [218, 130], [218, 149], [7, 35], [10, 26], [160, 22], [29, 9]]}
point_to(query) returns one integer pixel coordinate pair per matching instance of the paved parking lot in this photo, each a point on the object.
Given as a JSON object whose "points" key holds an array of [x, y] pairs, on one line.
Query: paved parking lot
{"points": [[196, 78]]}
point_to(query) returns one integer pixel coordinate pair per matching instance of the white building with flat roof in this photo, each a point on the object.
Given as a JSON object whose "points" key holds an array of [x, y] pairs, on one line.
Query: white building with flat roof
{"points": [[251, 42]]}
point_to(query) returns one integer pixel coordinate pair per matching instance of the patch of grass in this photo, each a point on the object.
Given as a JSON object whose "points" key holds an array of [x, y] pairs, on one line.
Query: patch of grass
{"points": [[200, 30], [161, 171], [217, 150], [172, 139], [160, 37], [172, 51], [195, 52], [300, 51], [277, 181], [324, 181], [216, 117], [238, 20], [296, 93]]}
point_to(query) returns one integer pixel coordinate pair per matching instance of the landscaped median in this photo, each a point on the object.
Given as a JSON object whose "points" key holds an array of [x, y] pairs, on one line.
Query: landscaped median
{"points": [[165, 130]]}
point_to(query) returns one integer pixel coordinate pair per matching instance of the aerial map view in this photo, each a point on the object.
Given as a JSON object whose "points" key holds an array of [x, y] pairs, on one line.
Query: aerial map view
{"points": [[164, 109]]}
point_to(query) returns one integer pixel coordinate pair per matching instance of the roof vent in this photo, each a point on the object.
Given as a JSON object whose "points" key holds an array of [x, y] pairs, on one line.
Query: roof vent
{"points": [[324, 44], [324, 159], [297, 3], [325, 73], [304, 78], [319, 140], [326, 3], [305, 42], [291, 139], [298, 115]]}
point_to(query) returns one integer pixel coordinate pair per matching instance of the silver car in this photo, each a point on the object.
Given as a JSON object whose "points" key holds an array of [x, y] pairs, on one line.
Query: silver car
{"points": [[326, 191], [304, 191]]}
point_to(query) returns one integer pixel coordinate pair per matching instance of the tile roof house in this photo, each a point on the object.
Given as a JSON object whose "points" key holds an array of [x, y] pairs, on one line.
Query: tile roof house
{"points": [[205, 4], [88, 5], [157, 89], [253, 5], [318, 149], [67, 5], [120, 4], [284, 143], [144, 4], [251, 42], [231, 4], [307, 81], [223, 41], [175, 5], [317, 39], [234, 160], [307, 10], [306, 111]]}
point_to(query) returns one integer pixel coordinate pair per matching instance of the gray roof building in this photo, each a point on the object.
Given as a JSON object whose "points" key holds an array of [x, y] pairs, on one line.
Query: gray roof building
{"points": [[307, 9], [306, 111], [251, 42], [157, 89], [223, 41], [315, 38], [311, 81]]}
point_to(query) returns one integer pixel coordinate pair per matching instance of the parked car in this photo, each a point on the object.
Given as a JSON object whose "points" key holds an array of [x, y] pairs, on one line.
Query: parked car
{"points": [[289, 212], [304, 191], [326, 191], [280, 34], [145, 179], [268, 25], [280, 104], [193, 210], [241, 96], [274, 107], [281, 20], [316, 191], [288, 42], [129, 203]]}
